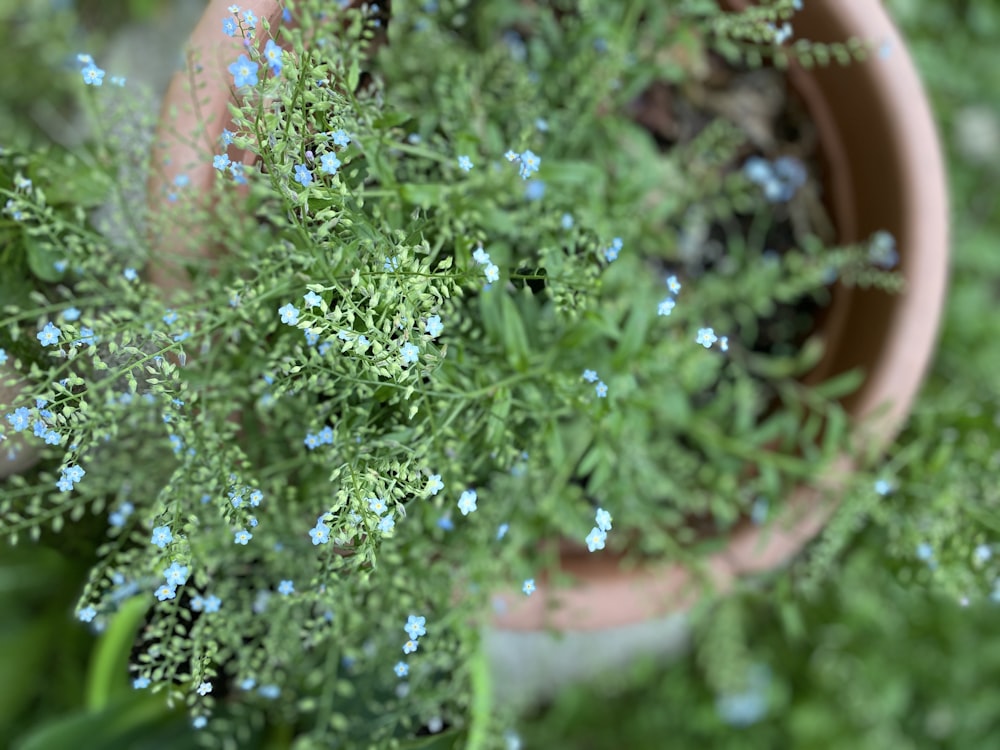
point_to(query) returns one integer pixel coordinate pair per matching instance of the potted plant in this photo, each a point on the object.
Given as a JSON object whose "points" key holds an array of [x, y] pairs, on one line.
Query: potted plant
{"points": [[417, 296]]}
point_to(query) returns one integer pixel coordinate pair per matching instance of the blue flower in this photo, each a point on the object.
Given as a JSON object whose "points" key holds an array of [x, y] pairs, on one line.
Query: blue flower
{"points": [[706, 337], [3, 356], [242, 536], [590, 376], [326, 436], [176, 574], [244, 72], [415, 626], [269, 691], [256, 498], [140, 683], [567, 221], [248, 684], [666, 307], [511, 155], [983, 553], [320, 533], [529, 587], [312, 299], [340, 138], [410, 646], [596, 539], [467, 502], [92, 75], [925, 551], [673, 285], [212, 604], [205, 688], [611, 253], [502, 530], [302, 175], [401, 669], [433, 326], [377, 505], [162, 536], [434, 484], [329, 163], [130, 274], [19, 419], [386, 524], [601, 389], [229, 26], [481, 256], [492, 273], [221, 162], [73, 473], [286, 588], [465, 163], [199, 722], [87, 614], [289, 314], [272, 53], [410, 353], [529, 164], [249, 19], [534, 190], [197, 603], [165, 592], [883, 487], [227, 136], [603, 520], [71, 314], [49, 335]]}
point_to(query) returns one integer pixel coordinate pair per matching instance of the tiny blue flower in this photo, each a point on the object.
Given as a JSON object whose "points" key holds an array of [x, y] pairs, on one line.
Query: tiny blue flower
{"points": [[434, 484], [386, 524], [410, 646], [92, 75], [666, 307], [590, 376], [340, 138], [221, 162], [19, 419], [227, 136], [70, 314], [176, 574], [401, 669], [601, 389], [130, 274], [320, 534], [529, 164], [229, 26], [673, 285], [49, 334], [445, 523], [165, 592], [481, 256], [410, 353], [313, 300], [603, 519], [925, 551], [205, 688], [502, 530], [883, 487], [286, 588], [244, 72], [3, 356], [272, 53], [269, 691], [162, 536], [289, 314], [983, 553], [248, 684], [492, 273], [329, 163], [596, 538], [249, 19], [706, 337], [87, 614], [242, 536], [567, 221], [433, 326], [415, 626], [467, 502], [465, 163], [529, 587], [199, 722], [302, 175], [140, 683]]}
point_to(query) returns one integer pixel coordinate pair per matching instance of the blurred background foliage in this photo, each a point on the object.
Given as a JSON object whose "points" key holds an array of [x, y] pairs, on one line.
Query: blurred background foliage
{"points": [[875, 656]]}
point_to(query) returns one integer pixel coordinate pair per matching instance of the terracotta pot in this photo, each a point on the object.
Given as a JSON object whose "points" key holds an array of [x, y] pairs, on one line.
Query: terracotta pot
{"points": [[886, 173]]}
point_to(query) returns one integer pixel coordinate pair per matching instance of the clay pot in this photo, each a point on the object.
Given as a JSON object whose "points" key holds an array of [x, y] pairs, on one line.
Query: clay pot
{"points": [[885, 168]]}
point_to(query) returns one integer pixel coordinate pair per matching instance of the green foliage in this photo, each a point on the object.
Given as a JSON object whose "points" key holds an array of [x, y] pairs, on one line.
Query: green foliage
{"points": [[229, 407]]}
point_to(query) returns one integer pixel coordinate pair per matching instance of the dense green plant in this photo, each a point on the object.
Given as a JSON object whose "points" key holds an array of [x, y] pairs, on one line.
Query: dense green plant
{"points": [[463, 305]]}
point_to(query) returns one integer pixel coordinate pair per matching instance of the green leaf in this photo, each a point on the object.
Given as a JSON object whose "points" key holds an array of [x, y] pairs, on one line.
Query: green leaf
{"points": [[108, 672], [42, 259]]}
